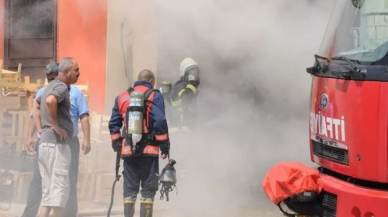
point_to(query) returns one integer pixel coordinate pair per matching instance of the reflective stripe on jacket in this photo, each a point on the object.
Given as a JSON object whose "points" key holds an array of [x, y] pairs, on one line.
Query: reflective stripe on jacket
{"points": [[183, 115]]}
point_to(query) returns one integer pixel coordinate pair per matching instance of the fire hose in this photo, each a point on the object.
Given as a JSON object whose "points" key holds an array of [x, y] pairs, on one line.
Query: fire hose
{"points": [[118, 157]]}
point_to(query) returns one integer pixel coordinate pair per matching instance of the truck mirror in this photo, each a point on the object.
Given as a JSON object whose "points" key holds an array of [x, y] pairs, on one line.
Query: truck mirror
{"points": [[358, 3]]}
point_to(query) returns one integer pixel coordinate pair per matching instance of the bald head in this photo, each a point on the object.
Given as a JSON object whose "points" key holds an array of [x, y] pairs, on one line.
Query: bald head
{"points": [[146, 75]]}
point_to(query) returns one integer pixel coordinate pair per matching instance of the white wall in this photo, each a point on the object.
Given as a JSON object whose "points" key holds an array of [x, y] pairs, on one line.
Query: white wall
{"points": [[136, 18]]}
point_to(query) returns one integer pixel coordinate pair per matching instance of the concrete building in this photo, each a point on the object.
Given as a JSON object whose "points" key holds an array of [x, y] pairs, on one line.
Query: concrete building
{"points": [[112, 41]]}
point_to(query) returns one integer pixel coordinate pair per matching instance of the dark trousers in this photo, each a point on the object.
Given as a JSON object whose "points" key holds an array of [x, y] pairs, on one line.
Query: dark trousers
{"points": [[141, 171], [35, 190]]}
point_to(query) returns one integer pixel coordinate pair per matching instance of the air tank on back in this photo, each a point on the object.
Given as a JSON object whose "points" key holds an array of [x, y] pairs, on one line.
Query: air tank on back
{"points": [[135, 116], [165, 89]]}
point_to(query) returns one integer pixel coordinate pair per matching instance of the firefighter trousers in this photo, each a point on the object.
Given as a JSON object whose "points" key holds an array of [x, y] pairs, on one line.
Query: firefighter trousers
{"points": [[140, 171]]}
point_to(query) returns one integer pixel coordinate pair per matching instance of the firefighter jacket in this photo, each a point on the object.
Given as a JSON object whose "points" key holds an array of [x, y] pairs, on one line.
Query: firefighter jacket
{"points": [[183, 102], [155, 129]]}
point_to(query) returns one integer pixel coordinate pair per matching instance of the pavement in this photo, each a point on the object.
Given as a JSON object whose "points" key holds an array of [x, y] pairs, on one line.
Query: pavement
{"points": [[263, 208], [207, 186]]}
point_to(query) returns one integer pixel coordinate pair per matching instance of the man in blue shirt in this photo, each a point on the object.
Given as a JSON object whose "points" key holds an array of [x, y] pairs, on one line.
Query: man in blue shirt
{"points": [[78, 110]]}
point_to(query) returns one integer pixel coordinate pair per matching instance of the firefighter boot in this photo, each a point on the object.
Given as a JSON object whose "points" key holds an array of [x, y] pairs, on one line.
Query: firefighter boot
{"points": [[129, 207], [146, 206]]}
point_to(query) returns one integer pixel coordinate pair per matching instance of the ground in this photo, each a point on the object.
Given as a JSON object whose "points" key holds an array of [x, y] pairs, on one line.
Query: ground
{"points": [[264, 209]]}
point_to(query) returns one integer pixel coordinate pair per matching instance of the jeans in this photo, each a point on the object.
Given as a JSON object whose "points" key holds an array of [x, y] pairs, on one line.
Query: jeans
{"points": [[35, 190]]}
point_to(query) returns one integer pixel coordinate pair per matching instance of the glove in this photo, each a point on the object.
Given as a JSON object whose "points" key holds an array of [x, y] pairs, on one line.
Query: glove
{"points": [[116, 144], [165, 152], [195, 83], [164, 147]]}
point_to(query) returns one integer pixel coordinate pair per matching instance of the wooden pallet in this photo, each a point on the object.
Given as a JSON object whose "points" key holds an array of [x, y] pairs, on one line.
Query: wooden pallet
{"points": [[20, 101], [10, 75], [13, 128], [10, 81], [19, 127], [99, 127], [13, 87], [21, 182]]}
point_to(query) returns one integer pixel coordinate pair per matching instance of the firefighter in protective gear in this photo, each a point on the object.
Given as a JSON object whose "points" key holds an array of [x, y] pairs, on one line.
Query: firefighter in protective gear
{"points": [[183, 97], [141, 166]]}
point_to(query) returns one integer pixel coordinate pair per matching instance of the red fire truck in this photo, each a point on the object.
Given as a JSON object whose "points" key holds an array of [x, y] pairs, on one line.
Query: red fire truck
{"points": [[348, 122]]}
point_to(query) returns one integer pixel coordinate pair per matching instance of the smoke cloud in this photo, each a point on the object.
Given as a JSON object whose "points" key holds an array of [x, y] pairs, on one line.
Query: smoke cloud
{"points": [[253, 98]]}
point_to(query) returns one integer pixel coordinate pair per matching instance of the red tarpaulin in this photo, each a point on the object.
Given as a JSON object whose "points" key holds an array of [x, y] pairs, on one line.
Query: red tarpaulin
{"points": [[290, 179]]}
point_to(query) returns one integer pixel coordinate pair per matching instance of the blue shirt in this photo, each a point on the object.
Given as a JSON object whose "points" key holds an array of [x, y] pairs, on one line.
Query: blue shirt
{"points": [[78, 106]]}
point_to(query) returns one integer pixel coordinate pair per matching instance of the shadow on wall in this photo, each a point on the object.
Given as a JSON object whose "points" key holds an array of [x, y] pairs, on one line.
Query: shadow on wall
{"points": [[254, 93]]}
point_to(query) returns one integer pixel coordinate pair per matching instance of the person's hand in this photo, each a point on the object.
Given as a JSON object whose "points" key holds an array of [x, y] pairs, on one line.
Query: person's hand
{"points": [[29, 146], [163, 155], [86, 147], [195, 83], [61, 132], [116, 144]]}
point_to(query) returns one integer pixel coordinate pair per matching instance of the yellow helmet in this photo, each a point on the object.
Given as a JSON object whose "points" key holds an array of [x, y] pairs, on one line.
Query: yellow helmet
{"points": [[186, 64]]}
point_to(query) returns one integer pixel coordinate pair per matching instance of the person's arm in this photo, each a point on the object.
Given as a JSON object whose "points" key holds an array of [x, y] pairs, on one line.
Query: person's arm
{"points": [[30, 134], [160, 126], [55, 96], [83, 114], [188, 96], [36, 115], [85, 124], [115, 124], [52, 108], [32, 127], [189, 92]]}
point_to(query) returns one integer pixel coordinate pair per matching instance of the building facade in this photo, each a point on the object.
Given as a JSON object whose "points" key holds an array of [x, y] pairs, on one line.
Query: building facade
{"points": [[111, 40]]}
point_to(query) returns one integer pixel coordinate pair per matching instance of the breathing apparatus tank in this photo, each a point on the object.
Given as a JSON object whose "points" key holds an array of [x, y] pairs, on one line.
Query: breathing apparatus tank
{"points": [[165, 89], [168, 179], [135, 117]]}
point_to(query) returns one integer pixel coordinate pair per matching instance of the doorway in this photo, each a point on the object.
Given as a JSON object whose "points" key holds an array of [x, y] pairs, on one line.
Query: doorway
{"points": [[30, 36]]}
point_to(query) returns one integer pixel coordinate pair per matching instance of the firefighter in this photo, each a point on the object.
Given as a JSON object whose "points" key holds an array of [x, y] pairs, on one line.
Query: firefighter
{"points": [[141, 163], [183, 97]]}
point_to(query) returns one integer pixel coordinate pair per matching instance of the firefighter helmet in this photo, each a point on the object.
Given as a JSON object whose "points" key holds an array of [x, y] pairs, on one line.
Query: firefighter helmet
{"points": [[187, 64], [168, 179]]}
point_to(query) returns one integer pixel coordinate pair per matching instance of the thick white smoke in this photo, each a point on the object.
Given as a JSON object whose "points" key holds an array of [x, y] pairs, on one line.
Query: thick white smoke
{"points": [[253, 97]]}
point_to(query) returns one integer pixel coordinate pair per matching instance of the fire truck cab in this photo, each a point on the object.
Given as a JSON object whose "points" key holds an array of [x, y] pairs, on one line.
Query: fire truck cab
{"points": [[348, 121]]}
